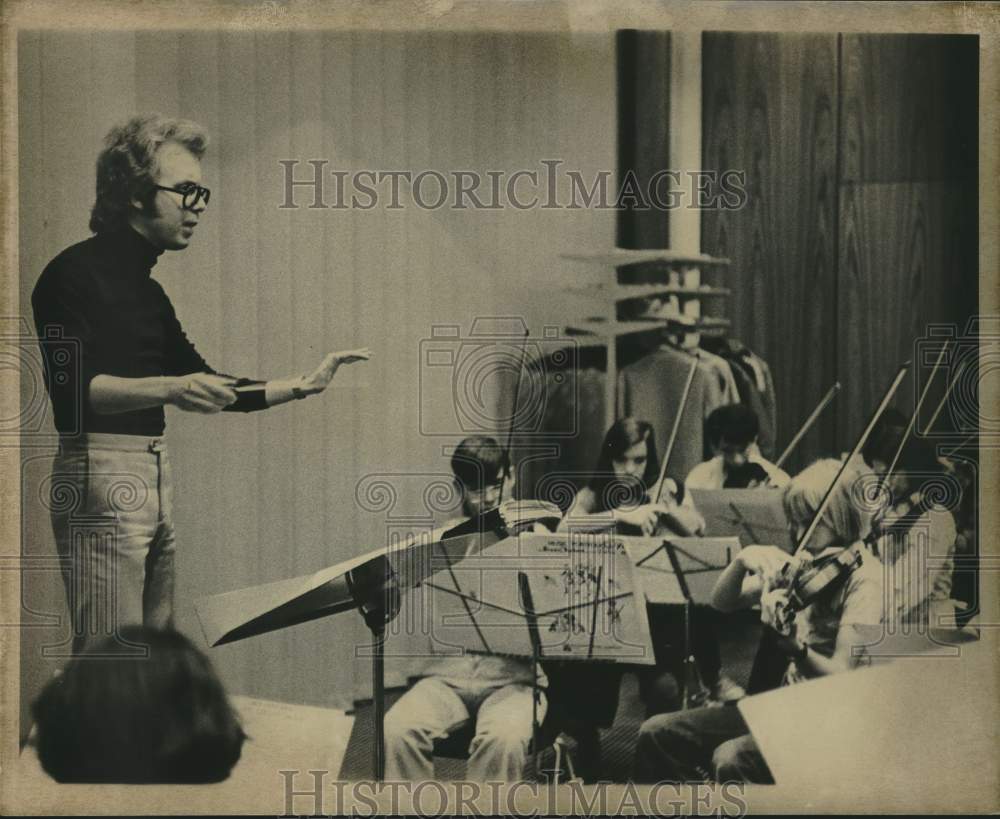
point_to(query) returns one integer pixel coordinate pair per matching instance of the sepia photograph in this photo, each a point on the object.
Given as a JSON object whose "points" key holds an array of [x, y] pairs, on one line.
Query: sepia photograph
{"points": [[502, 408]]}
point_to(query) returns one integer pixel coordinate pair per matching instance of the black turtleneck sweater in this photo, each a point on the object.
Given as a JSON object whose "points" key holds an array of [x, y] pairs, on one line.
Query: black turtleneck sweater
{"points": [[98, 311]]}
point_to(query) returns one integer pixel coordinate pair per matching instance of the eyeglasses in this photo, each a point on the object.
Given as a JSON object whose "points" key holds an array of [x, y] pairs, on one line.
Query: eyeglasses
{"points": [[193, 194]]}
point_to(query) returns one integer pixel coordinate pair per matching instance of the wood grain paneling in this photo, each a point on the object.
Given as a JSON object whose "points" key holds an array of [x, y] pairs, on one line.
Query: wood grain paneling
{"points": [[860, 230], [643, 130], [900, 270], [909, 107], [908, 248], [883, 287], [769, 111]]}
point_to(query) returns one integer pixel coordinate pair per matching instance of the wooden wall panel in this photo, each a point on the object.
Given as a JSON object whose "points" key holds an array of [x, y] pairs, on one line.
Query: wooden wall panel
{"points": [[860, 229], [909, 107], [883, 288], [769, 109], [643, 130], [908, 249], [902, 266]]}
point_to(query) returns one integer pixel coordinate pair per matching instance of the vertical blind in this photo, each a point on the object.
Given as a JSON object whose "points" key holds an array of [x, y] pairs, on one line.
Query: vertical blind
{"points": [[265, 291]]}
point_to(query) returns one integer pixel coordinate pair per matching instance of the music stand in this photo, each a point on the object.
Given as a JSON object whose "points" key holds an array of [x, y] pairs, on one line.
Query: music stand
{"points": [[752, 515], [372, 583], [700, 559], [587, 600], [531, 618], [564, 597]]}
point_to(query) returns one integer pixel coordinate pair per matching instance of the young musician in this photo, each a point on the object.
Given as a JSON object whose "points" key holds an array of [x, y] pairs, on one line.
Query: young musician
{"points": [[688, 745], [620, 491], [732, 432], [494, 691], [623, 488], [914, 538]]}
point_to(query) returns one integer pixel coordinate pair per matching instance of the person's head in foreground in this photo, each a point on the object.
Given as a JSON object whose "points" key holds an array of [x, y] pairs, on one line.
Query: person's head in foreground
{"points": [[116, 716]]}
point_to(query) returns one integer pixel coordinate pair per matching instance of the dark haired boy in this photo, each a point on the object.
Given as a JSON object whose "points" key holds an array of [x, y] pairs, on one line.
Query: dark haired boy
{"points": [[732, 432], [492, 690]]}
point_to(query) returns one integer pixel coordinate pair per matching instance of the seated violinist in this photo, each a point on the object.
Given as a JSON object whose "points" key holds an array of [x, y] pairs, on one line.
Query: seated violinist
{"points": [[914, 538], [715, 743], [494, 691], [732, 432], [620, 495], [623, 489]]}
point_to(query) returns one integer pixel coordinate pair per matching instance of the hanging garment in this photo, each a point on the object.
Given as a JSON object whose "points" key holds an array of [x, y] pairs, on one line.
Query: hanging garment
{"points": [[565, 439], [768, 413], [724, 372], [651, 389]]}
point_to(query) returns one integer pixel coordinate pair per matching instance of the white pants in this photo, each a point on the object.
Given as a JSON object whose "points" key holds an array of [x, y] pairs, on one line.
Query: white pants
{"points": [[436, 706]]}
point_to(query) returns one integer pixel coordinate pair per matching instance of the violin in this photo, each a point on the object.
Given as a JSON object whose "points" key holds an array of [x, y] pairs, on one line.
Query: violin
{"points": [[505, 520], [668, 522], [817, 578], [812, 578]]}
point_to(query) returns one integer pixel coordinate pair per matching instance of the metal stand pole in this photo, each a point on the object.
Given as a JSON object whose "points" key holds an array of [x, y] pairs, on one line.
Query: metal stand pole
{"points": [[688, 658], [378, 698], [534, 710], [528, 606], [692, 688], [377, 595]]}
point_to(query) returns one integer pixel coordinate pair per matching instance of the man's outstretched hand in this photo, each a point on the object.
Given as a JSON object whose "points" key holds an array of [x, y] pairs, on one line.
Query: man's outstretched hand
{"points": [[202, 392], [318, 380]]}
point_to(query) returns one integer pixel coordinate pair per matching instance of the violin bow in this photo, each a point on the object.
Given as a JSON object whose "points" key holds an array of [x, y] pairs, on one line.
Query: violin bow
{"points": [[944, 398], [676, 427], [886, 398], [951, 453], [513, 416], [822, 405], [913, 418]]}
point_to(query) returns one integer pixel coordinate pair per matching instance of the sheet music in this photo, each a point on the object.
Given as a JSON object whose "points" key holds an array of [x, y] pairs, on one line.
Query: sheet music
{"points": [[588, 599]]}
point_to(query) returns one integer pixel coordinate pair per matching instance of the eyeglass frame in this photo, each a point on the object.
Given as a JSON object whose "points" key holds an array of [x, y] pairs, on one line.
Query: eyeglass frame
{"points": [[200, 194]]}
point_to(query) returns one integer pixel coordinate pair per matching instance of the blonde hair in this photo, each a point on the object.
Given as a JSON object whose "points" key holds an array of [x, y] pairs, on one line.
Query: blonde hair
{"points": [[127, 167], [846, 513]]}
